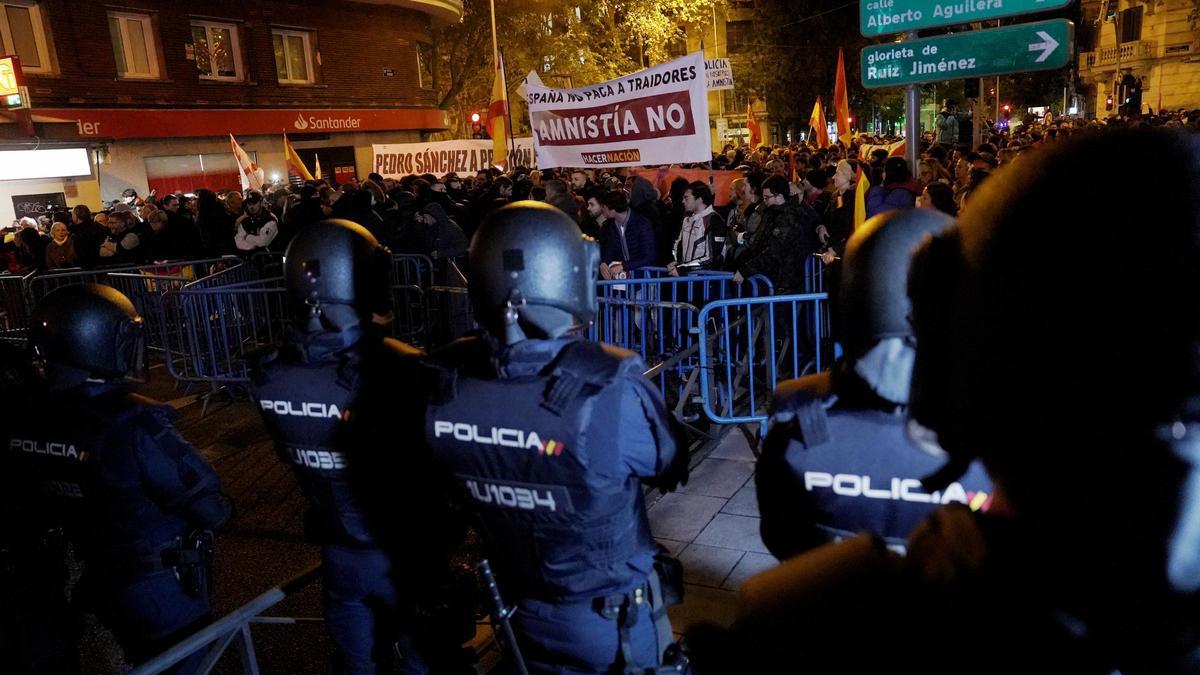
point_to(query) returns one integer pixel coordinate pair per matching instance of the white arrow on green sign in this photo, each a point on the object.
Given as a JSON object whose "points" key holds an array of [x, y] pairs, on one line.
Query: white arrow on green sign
{"points": [[884, 17], [1044, 45]]}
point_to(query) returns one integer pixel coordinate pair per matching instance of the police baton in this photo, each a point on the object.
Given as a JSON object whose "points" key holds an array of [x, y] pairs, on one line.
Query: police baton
{"points": [[501, 614]]}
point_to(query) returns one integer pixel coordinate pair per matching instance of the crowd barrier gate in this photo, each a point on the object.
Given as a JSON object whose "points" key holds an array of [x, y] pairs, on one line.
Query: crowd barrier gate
{"points": [[748, 345]]}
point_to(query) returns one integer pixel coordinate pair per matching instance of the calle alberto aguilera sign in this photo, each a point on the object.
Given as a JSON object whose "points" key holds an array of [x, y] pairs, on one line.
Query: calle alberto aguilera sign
{"points": [[883, 17]]}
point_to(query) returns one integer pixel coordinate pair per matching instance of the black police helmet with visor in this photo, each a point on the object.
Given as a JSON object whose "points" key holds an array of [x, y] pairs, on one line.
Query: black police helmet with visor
{"points": [[532, 273], [872, 322], [85, 332], [337, 277], [1057, 340]]}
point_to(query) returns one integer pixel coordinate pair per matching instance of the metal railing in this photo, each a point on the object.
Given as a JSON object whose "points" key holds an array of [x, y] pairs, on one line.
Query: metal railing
{"points": [[233, 627], [748, 345]]}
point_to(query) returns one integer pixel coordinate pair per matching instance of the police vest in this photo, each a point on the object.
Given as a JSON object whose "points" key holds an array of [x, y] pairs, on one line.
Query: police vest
{"points": [[830, 471], [542, 464], [308, 409], [81, 471]]}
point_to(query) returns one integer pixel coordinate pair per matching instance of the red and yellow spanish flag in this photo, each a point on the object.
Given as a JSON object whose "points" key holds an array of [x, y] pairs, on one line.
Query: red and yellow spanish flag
{"points": [[497, 117], [860, 198], [294, 163], [753, 126], [841, 101], [820, 130]]}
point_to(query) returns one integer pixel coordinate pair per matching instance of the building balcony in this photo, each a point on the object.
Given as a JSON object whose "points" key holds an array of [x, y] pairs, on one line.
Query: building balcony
{"points": [[1129, 53], [441, 11]]}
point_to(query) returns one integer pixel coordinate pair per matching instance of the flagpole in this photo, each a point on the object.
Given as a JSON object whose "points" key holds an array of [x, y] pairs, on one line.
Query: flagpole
{"points": [[512, 144], [495, 43]]}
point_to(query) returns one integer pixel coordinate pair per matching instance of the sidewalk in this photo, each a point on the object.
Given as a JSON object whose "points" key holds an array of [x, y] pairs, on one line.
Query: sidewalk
{"points": [[711, 525]]}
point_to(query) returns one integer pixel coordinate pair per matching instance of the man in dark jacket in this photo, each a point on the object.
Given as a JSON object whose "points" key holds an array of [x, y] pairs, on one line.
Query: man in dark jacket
{"points": [[899, 190], [626, 238], [784, 240], [87, 235], [182, 230], [558, 196]]}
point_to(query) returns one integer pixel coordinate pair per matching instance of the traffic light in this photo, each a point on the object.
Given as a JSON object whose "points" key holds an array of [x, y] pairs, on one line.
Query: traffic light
{"points": [[852, 121], [1108, 103], [1007, 111], [476, 125]]}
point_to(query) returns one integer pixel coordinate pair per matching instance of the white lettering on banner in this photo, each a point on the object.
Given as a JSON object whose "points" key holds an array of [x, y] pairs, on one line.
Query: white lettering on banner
{"points": [[658, 116], [443, 157]]}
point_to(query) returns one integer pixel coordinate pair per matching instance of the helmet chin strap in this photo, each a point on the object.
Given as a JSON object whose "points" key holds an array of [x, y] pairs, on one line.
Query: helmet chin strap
{"points": [[513, 333]]}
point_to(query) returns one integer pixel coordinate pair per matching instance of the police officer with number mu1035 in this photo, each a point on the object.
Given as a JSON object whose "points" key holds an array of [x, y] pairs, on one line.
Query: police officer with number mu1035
{"points": [[88, 458], [550, 437], [332, 397]]}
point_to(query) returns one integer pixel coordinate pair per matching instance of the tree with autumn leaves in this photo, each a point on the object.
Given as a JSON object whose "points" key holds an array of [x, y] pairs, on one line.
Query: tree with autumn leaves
{"points": [[567, 43]]}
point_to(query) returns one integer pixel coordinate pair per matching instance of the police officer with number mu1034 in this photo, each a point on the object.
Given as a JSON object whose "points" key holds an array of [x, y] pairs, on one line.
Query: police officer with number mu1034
{"points": [[550, 437], [88, 458], [332, 397]]}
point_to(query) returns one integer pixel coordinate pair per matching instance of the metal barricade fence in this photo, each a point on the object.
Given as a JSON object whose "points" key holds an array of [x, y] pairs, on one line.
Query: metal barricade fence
{"points": [[658, 319], [16, 306], [218, 325], [216, 637], [43, 283], [748, 345], [412, 279]]}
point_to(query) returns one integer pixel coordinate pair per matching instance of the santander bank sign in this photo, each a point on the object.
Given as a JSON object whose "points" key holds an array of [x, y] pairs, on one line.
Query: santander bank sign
{"points": [[319, 123]]}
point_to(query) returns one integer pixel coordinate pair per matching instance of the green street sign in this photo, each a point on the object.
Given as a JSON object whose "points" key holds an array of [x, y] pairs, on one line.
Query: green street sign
{"points": [[1044, 45], [884, 17]]}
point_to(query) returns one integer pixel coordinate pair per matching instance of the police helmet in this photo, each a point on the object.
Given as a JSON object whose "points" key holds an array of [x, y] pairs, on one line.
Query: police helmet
{"points": [[336, 275], [532, 270], [874, 303], [1058, 330], [85, 331]]}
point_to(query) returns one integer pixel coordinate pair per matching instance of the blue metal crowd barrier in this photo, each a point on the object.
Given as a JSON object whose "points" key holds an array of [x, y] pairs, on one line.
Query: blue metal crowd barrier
{"points": [[217, 326], [216, 637], [748, 345], [16, 305]]}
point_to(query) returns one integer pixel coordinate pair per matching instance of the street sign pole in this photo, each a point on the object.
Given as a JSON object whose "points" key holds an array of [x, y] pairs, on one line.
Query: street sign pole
{"points": [[912, 116]]}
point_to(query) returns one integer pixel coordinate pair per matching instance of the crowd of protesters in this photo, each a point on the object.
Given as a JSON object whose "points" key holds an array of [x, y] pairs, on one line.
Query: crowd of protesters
{"points": [[791, 202]]}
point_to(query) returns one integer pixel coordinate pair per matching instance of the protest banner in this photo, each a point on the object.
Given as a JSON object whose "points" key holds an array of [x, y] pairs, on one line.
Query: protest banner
{"points": [[654, 116], [442, 157], [718, 74], [662, 177]]}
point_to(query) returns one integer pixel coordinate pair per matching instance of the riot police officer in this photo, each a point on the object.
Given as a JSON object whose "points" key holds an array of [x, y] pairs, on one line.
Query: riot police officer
{"points": [[551, 437], [1078, 389], [837, 461], [331, 397], [104, 466]]}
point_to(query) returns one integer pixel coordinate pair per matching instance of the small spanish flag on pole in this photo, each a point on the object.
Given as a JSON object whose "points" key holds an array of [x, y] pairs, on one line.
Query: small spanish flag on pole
{"points": [[294, 163], [497, 117], [753, 127], [860, 198], [820, 129]]}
